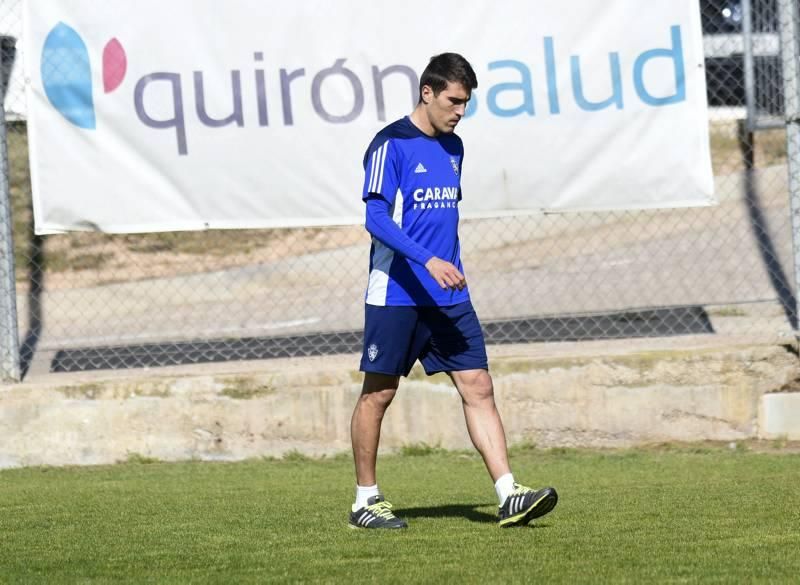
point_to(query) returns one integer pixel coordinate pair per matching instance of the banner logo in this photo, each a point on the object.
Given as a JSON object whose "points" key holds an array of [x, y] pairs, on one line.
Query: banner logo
{"points": [[177, 101], [67, 74]]}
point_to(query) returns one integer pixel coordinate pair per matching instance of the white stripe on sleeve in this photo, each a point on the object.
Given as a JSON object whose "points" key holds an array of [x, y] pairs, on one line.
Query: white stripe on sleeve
{"points": [[383, 160], [372, 172]]}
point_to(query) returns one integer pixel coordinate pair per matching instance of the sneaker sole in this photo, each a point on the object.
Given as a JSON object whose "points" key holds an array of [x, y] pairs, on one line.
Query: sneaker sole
{"points": [[354, 527], [544, 505]]}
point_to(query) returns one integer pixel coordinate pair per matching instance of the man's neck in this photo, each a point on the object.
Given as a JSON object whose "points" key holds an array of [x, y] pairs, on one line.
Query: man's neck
{"points": [[420, 120]]}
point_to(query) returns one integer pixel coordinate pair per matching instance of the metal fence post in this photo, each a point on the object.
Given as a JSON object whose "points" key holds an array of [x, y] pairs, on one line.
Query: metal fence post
{"points": [[9, 335], [791, 91], [749, 65]]}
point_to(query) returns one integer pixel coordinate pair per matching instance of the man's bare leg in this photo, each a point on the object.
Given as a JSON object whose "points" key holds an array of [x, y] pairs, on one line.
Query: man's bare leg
{"points": [[370, 509], [518, 504], [483, 420], [377, 394]]}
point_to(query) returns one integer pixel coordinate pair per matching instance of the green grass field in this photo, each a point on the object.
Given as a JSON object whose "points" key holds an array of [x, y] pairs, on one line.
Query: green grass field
{"points": [[677, 515]]}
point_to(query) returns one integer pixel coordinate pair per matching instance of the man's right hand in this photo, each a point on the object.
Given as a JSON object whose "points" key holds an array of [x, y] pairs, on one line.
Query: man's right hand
{"points": [[446, 274]]}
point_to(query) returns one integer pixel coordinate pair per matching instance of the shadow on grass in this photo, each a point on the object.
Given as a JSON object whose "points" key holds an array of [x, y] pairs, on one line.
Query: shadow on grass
{"points": [[468, 511]]}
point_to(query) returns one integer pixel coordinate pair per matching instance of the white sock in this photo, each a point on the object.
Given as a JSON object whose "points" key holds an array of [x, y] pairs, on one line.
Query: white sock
{"points": [[363, 493], [504, 486]]}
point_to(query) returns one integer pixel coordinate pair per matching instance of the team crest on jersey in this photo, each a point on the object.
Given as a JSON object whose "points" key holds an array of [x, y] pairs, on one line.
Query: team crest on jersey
{"points": [[372, 352], [454, 162]]}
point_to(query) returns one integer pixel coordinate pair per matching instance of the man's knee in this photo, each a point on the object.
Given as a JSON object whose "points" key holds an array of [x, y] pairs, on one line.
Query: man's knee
{"points": [[379, 399], [475, 386], [379, 390]]}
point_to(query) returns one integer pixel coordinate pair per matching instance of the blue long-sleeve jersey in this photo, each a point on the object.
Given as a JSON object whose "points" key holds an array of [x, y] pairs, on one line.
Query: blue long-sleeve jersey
{"points": [[419, 177]]}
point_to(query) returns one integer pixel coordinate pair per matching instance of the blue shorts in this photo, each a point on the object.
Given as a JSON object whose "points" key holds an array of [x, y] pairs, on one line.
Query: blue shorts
{"points": [[444, 339]]}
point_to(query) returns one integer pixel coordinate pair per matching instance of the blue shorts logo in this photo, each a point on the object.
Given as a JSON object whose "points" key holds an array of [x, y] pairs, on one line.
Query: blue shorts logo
{"points": [[372, 352]]}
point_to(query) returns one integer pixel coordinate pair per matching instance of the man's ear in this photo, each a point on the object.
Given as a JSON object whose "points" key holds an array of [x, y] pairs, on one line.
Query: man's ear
{"points": [[427, 94]]}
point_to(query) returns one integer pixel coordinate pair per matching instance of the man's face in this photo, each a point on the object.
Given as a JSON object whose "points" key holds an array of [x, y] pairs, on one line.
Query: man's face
{"points": [[447, 108]]}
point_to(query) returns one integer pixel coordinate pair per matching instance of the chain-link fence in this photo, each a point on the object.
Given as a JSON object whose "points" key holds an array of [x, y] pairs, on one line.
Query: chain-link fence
{"points": [[91, 300]]}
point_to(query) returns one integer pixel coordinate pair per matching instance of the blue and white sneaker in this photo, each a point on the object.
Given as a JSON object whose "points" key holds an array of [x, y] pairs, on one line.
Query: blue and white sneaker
{"points": [[376, 514], [524, 504]]}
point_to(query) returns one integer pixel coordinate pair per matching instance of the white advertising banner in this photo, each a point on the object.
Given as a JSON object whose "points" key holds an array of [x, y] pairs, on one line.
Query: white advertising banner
{"points": [[196, 114]]}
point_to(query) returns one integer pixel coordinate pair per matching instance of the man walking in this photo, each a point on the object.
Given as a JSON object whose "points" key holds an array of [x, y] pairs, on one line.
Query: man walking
{"points": [[417, 300]]}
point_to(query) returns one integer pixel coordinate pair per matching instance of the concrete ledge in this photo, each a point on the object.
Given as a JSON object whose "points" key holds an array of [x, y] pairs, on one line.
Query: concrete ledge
{"points": [[779, 416], [587, 394]]}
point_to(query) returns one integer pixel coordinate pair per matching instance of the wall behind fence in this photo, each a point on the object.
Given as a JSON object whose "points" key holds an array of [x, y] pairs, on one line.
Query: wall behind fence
{"points": [[91, 300]]}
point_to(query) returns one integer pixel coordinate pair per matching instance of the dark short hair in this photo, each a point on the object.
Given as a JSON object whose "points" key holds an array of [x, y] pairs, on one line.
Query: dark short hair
{"points": [[446, 67]]}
